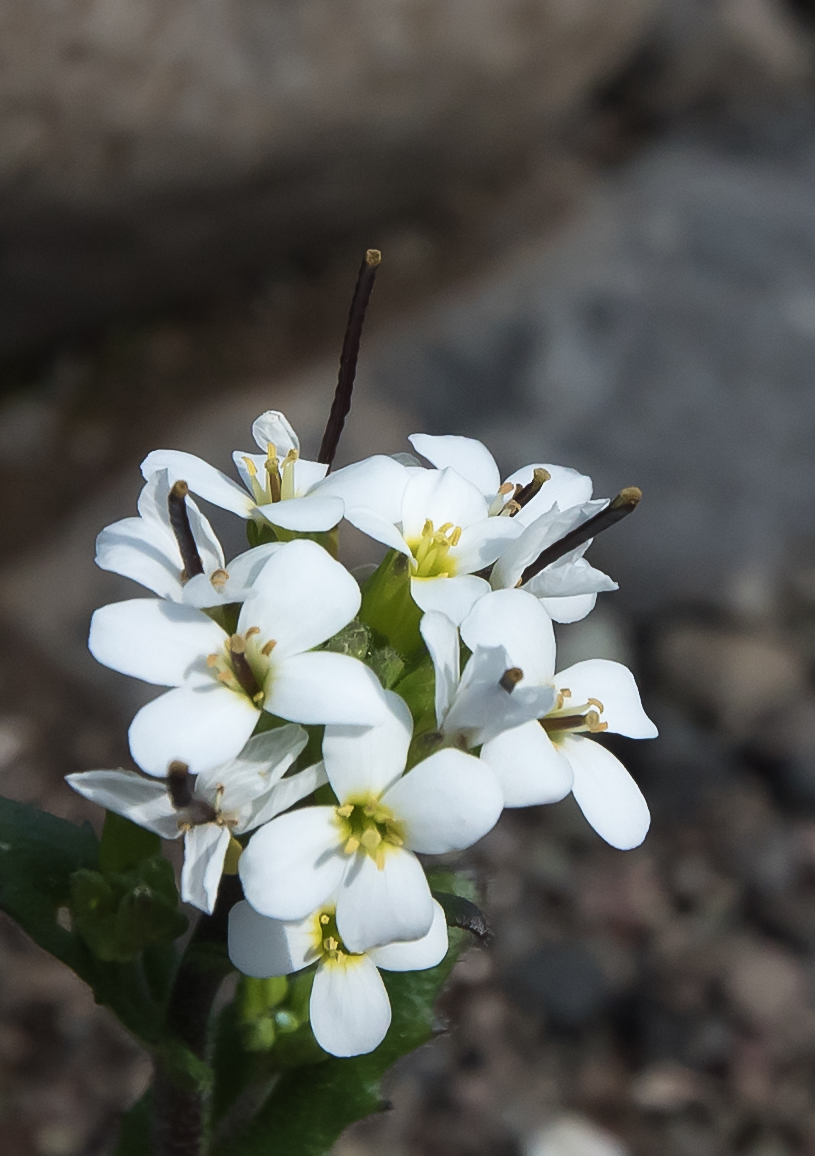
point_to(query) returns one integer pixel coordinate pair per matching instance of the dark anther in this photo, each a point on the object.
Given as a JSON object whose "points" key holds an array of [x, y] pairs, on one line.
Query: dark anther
{"points": [[180, 522], [528, 492], [181, 789], [510, 678], [240, 664], [180, 784], [462, 913], [348, 358], [624, 504]]}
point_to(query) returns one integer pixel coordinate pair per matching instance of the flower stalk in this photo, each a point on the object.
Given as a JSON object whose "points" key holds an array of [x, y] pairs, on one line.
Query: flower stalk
{"points": [[341, 405]]}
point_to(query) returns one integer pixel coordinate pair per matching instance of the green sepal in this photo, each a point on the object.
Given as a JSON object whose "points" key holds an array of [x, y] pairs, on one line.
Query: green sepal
{"points": [[388, 608], [388, 665], [353, 640]]}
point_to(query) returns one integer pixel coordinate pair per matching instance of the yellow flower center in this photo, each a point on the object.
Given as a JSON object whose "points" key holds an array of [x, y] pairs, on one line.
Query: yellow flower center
{"points": [[278, 483], [431, 552], [369, 826], [327, 942]]}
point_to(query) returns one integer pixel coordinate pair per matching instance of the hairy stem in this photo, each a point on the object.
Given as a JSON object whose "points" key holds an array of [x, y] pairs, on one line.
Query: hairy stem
{"points": [[180, 1101]]}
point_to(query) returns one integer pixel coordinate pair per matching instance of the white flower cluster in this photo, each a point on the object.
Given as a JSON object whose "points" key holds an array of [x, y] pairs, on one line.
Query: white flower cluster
{"points": [[241, 645]]}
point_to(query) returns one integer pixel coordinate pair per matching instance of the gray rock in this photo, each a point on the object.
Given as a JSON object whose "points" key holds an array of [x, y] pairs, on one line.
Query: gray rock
{"points": [[668, 341], [164, 148]]}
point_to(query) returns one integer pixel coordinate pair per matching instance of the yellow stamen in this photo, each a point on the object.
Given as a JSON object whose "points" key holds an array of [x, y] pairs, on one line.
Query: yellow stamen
{"points": [[268, 648]]}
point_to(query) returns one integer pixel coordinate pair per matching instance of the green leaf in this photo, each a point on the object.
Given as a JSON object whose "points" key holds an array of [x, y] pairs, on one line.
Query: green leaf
{"points": [[39, 854], [134, 1131], [310, 1106], [124, 844]]}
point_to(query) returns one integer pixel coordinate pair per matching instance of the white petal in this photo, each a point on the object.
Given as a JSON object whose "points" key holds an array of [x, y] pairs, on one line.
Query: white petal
{"points": [[307, 513], [300, 598], [446, 803], [569, 609], [293, 864], [142, 551], [272, 426], [202, 478], [566, 487], [288, 792], [376, 484], [204, 853], [244, 569], [614, 686], [142, 801], [482, 542], [441, 496], [366, 760], [349, 1010], [306, 476], [551, 527], [441, 639], [417, 954], [454, 597], [378, 905], [482, 708], [569, 577], [157, 641], [375, 526], [262, 762], [518, 622], [264, 947], [606, 794], [323, 687], [201, 726], [529, 768], [466, 456]]}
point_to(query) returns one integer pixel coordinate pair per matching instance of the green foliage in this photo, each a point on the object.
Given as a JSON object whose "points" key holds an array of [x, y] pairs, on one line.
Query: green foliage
{"points": [[387, 665], [311, 1105], [388, 608], [124, 844], [39, 855], [120, 913], [353, 640], [109, 910], [134, 1131]]}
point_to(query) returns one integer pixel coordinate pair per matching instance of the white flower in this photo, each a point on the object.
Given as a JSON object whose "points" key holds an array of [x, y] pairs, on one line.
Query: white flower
{"points": [[300, 598], [278, 482], [146, 549], [441, 523], [363, 850], [209, 809], [539, 762], [349, 1008], [489, 697], [280, 487], [568, 588]]}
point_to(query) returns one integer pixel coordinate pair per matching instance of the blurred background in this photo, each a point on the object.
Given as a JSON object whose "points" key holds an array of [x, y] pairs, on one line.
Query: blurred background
{"points": [[597, 219]]}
